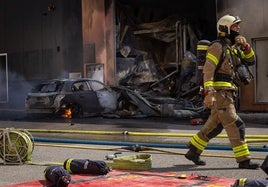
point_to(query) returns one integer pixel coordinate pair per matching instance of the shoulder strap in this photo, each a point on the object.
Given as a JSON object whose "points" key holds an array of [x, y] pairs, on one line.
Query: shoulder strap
{"points": [[224, 49]]}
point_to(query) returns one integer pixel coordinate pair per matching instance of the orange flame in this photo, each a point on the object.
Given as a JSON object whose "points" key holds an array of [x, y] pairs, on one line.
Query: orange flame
{"points": [[67, 113]]}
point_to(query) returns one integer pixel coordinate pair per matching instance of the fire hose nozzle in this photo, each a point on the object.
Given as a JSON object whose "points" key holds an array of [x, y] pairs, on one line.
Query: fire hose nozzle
{"points": [[112, 156]]}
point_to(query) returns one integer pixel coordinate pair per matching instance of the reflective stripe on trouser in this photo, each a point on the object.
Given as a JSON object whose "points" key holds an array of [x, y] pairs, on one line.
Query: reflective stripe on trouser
{"points": [[198, 143], [241, 150], [223, 115]]}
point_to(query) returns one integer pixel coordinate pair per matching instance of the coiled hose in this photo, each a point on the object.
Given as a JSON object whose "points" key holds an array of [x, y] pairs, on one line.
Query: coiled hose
{"points": [[16, 146]]}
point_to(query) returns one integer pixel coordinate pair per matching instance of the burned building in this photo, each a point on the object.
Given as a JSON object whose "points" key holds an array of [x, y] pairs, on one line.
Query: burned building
{"points": [[143, 44]]}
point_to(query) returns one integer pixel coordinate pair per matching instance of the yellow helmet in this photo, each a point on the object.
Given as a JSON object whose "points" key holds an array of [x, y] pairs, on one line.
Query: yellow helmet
{"points": [[224, 24]]}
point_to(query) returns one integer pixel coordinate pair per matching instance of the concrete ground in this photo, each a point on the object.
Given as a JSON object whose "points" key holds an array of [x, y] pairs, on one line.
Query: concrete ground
{"points": [[218, 161]]}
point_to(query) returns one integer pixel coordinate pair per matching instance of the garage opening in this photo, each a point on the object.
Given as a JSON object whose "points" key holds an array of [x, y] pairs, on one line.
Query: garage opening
{"points": [[156, 45]]}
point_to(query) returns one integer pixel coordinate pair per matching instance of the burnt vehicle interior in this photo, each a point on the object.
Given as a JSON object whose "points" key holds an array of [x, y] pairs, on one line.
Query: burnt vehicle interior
{"points": [[48, 87], [156, 51]]}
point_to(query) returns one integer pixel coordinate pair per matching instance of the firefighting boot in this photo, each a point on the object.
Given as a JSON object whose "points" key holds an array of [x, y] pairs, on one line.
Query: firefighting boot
{"points": [[195, 158], [247, 164]]}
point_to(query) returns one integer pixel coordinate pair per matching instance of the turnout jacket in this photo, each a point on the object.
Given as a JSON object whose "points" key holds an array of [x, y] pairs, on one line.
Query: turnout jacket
{"points": [[225, 77]]}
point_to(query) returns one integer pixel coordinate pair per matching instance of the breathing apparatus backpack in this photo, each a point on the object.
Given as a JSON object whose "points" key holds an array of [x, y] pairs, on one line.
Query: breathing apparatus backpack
{"points": [[202, 47], [242, 71], [201, 52]]}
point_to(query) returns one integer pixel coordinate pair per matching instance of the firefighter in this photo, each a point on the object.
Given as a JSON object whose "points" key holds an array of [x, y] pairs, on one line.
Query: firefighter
{"points": [[220, 79], [244, 182], [251, 182]]}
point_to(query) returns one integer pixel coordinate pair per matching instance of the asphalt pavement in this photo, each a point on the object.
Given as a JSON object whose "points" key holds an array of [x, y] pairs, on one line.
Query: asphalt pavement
{"points": [[219, 162]]}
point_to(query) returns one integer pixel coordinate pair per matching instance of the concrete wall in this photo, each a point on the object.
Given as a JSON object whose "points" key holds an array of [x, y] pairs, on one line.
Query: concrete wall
{"points": [[254, 25], [98, 36], [42, 39]]}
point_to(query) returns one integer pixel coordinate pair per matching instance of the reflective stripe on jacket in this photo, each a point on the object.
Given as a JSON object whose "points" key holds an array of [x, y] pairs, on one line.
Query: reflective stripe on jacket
{"points": [[226, 69]]}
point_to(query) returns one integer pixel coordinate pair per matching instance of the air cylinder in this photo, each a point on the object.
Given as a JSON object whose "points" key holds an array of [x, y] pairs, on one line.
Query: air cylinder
{"points": [[201, 52]]}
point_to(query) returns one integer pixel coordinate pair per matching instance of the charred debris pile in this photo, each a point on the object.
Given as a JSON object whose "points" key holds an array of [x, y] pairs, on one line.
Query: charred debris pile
{"points": [[156, 69]]}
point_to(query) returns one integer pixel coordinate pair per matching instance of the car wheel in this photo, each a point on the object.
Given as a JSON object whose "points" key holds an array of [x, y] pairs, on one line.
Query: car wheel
{"points": [[76, 111]]}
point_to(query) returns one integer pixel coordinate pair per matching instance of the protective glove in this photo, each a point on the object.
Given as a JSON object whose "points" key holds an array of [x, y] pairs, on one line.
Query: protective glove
{"points": [[209, 99], [242, 43]]}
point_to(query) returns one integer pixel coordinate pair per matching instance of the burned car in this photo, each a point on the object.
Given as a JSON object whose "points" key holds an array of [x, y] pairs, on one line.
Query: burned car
{"points": [[74, 97], [84, 97]]}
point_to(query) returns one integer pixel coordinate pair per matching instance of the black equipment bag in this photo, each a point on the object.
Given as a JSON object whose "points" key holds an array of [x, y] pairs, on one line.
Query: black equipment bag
{"points": [[57, 176], [86, 166], [264, 165]]}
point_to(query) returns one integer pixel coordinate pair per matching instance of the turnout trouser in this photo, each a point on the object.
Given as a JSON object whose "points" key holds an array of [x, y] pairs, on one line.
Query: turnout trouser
{"points": [[223, 115]]}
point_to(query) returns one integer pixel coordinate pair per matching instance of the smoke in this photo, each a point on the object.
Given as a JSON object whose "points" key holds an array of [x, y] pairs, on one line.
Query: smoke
{"points": [[252, 13], [18, 88]]}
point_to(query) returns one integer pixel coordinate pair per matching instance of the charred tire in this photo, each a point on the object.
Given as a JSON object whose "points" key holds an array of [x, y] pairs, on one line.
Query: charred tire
{"points": [[76, 111]]}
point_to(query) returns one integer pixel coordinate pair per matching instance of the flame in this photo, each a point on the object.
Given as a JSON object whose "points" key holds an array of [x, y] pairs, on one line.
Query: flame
{"points": [[67, 113]]}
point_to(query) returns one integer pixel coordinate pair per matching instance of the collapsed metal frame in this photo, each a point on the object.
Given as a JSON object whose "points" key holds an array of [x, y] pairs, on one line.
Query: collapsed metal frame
{"points": [[180, 40]]}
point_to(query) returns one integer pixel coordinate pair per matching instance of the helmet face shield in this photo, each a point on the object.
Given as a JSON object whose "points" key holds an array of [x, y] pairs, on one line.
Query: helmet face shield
{"points": [[224, 24], [237, 19]]}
